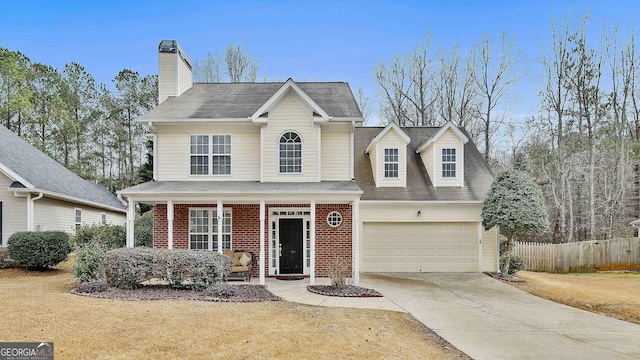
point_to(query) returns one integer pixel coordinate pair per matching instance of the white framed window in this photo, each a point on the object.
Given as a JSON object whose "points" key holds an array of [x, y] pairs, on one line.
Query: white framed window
{"points": [[103, 218], [78, 218], [334, 219], [199, 154], [210, 154], [391, 163], [290, 153], [448, 163], [203, 229]]}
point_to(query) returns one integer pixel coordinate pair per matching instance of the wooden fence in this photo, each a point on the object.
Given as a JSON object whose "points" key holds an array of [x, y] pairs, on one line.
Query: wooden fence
{"points": [[584, 256]]}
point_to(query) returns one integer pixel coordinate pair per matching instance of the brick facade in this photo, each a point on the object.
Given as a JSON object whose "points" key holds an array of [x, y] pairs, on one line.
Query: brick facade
{"points": [[331, 242]]}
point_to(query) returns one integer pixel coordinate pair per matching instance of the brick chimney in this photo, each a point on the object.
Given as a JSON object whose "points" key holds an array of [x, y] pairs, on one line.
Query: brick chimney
{"points": [[174, 70]]}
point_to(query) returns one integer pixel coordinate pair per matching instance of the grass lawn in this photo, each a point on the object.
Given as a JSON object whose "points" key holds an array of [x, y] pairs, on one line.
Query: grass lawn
{"points": [[38, 307], [616, 294]]}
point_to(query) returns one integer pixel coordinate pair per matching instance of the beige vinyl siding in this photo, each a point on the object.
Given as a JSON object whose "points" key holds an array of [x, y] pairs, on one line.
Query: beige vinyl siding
{"points": [[168, 73], [336, 161], [392, 140], [427, 159], [449, 140], [489, 250], [173, 151], [14, 210], [290, 115], [185, 79], [373, 157], [405, 211], [54, 214]]}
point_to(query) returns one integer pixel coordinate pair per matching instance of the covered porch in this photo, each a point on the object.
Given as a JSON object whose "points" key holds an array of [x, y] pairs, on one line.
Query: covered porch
{"points": [[290, 228]]}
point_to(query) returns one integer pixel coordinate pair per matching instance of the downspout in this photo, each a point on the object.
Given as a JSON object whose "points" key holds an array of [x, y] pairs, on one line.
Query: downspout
{"points": [[31, 215]]}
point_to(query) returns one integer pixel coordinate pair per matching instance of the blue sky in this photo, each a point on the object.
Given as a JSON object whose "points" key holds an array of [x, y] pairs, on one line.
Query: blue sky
{"points": [[307, 41]]}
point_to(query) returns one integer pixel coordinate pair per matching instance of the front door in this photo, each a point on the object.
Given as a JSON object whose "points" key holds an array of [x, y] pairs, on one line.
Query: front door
{"points": [[291, 246]]}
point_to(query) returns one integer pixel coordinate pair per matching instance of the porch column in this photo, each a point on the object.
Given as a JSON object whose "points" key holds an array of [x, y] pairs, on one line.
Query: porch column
{"points": [[312, 270], [220, 217], [480, 231], [131, 217], [355, 245], [261, 263], [170, 224]]}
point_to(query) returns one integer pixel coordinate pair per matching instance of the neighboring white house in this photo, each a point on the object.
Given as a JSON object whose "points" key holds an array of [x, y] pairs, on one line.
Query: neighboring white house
{"points": [[38, 194], [286, 171]]}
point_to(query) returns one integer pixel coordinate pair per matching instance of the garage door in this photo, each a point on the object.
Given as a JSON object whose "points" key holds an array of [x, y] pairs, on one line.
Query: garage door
{"points": [[424, 247]]}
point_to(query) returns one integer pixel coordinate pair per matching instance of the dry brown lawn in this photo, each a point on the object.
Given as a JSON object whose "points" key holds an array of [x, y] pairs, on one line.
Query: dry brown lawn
{"points": [[615, 294], [38, 307]]}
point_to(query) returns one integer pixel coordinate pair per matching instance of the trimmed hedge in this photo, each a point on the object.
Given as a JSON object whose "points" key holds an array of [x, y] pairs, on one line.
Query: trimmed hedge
{"points": [[105, 236], [127, 268], [39, 250]]}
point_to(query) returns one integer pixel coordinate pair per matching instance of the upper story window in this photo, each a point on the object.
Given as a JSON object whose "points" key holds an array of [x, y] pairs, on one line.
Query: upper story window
{"points": [[390, 163], [78, 218], [210, 155], [448, 163], [290, 153]]}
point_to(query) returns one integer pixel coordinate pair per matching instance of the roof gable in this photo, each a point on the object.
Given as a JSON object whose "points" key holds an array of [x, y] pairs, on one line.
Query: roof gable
{"points": [[436, 136], [285, 89], [392, 126], [37, 172]]}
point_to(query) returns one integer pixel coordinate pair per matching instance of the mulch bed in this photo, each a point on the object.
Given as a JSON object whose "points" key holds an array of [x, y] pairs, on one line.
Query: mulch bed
{"points": [[349, 291], [244, 293]]}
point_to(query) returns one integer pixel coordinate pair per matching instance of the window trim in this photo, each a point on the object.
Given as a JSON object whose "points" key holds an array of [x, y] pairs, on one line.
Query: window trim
{"points": [[103, 218], [449, 173], [279, 155], [212, 217], [334, 216], [210, 155], [396, 163], [77, 224]]}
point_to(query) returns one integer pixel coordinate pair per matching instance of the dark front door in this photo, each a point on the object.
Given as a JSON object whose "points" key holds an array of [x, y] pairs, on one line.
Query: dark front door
{"points": [[291, 246]]}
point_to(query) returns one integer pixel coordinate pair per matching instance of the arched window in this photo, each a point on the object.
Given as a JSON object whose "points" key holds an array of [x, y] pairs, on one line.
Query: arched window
{"points": [[290, 152]]}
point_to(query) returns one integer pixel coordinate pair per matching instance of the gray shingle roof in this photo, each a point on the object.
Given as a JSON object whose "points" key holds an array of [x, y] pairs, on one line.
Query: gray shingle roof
{"points": [[46, 174], [477, 180], [241, 100], [242, 187]]}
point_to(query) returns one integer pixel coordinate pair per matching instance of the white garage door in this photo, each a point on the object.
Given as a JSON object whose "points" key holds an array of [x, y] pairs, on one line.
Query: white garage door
{"points": [[424, 247]]}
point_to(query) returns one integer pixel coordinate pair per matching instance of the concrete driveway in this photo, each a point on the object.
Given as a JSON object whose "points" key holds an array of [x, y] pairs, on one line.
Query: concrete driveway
{"points": [[487, 319]]}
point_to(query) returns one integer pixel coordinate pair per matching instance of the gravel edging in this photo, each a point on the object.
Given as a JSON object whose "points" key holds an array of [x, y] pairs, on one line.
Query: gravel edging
{"points": [[244, 294], [349, 291]]}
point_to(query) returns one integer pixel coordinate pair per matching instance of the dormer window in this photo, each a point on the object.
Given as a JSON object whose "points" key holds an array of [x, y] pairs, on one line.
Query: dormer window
{"points": [[290, 153], [448, 163], [391, 163]]}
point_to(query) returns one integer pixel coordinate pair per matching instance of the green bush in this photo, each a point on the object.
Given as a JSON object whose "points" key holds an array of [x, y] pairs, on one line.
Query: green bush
{"points": [[88, 265], [143, 230], [127, 268], [39, 250], [105, 236]]}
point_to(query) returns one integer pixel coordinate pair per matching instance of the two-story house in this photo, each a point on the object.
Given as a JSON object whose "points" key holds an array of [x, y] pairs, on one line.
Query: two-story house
{"points": [[286, 171]]}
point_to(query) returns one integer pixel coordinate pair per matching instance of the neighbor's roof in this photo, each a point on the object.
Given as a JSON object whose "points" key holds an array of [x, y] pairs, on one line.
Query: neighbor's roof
{"points": [[419, 187], [31, 169], [241, 100]]}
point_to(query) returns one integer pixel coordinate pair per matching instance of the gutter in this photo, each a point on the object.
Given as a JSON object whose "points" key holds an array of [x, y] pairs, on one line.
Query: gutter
{"points": [[31, 214]]}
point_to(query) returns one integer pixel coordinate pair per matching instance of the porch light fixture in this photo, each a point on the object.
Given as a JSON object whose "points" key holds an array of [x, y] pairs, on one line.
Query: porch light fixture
{"points": [[419, 212]]}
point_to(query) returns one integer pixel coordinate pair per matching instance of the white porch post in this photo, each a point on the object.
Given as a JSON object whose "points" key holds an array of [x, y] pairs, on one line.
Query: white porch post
{"points": [[480, 231], [220, 216], [261, 263], [312, 270], [170, 224], [131, 217], [30, 213], [355, 246]]}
